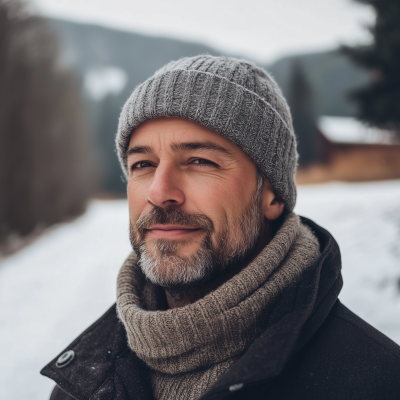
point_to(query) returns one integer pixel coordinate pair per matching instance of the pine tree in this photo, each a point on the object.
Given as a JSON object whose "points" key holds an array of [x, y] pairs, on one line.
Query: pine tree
{"points": [[300, 100], [379, 102]]}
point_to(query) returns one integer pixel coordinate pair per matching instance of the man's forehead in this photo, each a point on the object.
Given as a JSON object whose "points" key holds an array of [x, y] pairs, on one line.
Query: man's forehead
{"points": [[177, 134]]}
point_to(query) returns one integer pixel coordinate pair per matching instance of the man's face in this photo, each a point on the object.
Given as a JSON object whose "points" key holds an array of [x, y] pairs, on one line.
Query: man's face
{"points": [[194, 202]]}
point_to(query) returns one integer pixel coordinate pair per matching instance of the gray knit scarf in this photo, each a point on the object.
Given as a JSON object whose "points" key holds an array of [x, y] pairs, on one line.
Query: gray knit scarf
{"points": [[189, 348]]}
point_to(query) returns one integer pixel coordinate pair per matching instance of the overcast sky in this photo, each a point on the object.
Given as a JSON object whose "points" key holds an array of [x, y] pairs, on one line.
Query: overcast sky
{"points": [[261, 29]]}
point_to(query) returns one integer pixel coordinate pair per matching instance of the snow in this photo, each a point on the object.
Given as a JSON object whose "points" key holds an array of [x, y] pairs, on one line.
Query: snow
{"points": [[350, 130], [55, 288]]}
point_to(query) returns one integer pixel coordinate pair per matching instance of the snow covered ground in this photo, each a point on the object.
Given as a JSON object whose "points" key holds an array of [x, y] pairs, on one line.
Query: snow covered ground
{"points": [[56, 287]]}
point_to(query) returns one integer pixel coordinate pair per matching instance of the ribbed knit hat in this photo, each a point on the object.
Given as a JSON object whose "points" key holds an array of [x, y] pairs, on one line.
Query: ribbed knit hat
{"points": [[232, 97]]}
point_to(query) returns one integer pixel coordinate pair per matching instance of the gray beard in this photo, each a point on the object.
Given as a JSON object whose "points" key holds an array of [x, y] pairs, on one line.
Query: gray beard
{"points": [[216, 255]]}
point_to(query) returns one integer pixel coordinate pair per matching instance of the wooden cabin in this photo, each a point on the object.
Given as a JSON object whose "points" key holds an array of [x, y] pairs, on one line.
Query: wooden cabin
{"points": [[350, 151]]}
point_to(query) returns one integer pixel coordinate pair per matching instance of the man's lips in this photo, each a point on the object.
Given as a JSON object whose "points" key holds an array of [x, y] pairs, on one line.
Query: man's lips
{"points": [[170, 231]]}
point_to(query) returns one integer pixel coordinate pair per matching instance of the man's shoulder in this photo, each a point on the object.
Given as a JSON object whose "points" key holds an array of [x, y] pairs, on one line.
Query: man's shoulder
{"points": [[346, 359], [356, 332], [354, 344], [353, 354], [92, 358]]}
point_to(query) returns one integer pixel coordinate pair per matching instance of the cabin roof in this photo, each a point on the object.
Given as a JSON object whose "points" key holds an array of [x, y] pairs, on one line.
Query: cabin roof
{"points": [[350, 130]]}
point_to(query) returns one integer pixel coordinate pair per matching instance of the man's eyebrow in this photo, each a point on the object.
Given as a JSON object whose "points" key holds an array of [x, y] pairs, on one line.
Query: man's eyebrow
{"points": [[139, 150], [185, 146]]}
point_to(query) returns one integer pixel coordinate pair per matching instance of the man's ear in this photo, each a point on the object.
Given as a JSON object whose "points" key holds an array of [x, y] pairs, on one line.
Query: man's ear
{"points": [[272, 206]]}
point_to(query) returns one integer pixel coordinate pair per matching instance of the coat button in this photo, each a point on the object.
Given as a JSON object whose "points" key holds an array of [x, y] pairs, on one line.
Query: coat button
{"points": [[235, 387], [65, 359]]}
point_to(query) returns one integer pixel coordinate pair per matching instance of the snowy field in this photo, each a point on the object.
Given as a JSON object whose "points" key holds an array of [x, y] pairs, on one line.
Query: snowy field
{"points": [[56, 287]]}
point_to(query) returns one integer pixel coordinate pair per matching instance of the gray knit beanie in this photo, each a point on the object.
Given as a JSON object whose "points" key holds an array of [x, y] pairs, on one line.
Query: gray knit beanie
{"points": [[232, 97]]}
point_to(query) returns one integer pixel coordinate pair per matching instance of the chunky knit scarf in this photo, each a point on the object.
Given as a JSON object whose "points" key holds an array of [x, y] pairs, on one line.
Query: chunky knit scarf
{"points": [[189, 348]]}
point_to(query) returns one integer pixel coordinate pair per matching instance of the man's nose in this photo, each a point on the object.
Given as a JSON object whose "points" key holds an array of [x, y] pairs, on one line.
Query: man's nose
{"points": [[165, 189]]}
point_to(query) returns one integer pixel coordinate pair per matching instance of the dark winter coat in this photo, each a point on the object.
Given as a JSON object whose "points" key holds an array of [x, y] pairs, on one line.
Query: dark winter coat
{"points": [[326, 352]]}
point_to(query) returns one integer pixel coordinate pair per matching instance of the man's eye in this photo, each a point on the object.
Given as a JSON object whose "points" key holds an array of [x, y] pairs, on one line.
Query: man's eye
{"points": [[141, 165], [202, 161]]}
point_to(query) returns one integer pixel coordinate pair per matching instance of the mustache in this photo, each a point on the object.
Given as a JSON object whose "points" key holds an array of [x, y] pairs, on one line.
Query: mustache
{"points": [[174, 216]]}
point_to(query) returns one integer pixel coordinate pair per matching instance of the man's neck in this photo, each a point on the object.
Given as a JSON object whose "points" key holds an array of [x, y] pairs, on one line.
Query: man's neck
{"points": [[180, 298]]}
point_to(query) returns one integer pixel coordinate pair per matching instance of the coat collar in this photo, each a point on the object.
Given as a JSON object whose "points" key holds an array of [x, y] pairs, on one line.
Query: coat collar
{"points": [[105, 367]]}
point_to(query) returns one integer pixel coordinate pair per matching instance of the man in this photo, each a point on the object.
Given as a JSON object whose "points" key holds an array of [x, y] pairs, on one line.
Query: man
{"points": [[228, 293]]}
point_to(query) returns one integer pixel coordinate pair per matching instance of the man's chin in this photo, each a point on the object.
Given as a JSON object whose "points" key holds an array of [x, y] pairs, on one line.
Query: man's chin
{"points": [[184, 249], [171, 270]]}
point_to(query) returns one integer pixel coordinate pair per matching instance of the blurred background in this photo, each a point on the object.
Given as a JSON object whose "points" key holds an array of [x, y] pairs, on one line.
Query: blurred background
{"points": [[66, 68]]}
